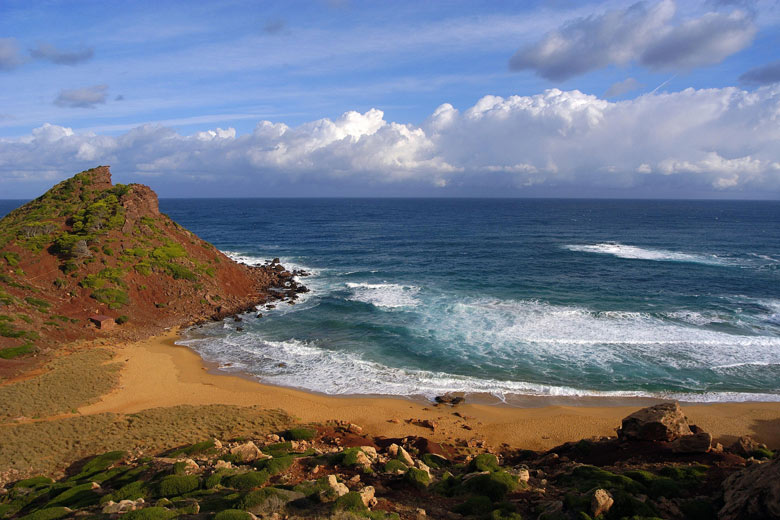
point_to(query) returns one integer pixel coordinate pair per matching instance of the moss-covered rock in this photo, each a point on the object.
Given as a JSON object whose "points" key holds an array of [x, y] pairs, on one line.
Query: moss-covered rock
{"points": [[395, 466], [484, 462], [276, 465], [494, 485], [76, 496], [418, 478]]}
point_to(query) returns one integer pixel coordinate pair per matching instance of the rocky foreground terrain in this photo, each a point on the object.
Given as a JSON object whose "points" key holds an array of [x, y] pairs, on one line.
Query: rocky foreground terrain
{"points": [[658, 466], [89, 247]]}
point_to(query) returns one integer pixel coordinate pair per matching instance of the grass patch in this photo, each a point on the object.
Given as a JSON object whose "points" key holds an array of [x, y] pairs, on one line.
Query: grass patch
{"points": [[70, 382], [176, 485], [301, 434]]}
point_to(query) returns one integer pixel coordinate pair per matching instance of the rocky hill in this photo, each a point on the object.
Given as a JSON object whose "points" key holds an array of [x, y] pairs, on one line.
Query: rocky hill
{"points": [[88, 247]]}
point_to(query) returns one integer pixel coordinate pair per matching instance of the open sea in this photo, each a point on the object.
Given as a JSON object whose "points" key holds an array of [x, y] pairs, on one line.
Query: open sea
{"points": [[418, 297]]}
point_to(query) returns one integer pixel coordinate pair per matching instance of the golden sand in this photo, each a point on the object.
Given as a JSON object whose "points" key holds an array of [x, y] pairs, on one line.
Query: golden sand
{"points": [[157, 373]]}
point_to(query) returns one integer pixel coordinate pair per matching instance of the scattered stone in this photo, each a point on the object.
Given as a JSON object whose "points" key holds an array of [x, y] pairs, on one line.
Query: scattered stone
{"points": [[523, 475], [394, 421], [217, 444], [601, 502], [223, 464], [425, 423], [370, 452], [123, 506], [248, 452], [662, 422], [95, 486], [354, 428]]}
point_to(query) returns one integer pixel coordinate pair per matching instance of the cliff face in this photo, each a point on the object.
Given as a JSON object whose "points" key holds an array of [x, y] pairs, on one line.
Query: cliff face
{"points": [[88, 247]]}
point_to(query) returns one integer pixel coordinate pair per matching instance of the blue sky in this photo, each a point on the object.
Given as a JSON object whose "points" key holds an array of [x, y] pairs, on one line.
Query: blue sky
{"points": [[349, 98]]}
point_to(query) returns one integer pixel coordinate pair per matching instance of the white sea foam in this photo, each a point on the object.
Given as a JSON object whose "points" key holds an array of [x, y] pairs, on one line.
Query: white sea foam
{"points": [[305, 365], [640, 253], [521, 333], [387, 295]]}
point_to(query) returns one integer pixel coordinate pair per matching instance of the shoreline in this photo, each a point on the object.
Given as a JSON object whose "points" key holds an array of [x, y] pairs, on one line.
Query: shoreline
{"points": [[156, 372]]}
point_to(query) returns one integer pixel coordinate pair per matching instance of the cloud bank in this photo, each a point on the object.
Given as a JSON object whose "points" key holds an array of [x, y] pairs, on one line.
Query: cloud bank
{"points": [[714, 139], [641, 33], [9, 54]]}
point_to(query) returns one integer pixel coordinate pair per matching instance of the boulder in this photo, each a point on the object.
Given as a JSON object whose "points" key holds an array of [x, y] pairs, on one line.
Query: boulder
{"points": [[335, 490], [696, 443], [600, 502], [745, 446], [367, 496], [752, 493], [248, 452], [123, 506], [662, 422]]}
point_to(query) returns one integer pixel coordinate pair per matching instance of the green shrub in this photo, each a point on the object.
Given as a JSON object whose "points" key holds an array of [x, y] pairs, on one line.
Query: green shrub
{"points": [[175, 485], [276, 465], [279, 449], [395, 466], [11, 258], [301, 434], [150, 513], [248, 480], [121, 320], [232, 514], [484, 462], [39, 304], [131, 491], [260, 496], [494, 485], [50, 513], [114, 298], [418, 478], [204, 447], [351, 502], [215, 479], [34, 482], [14, 352], [77, 496], [100, 463]]}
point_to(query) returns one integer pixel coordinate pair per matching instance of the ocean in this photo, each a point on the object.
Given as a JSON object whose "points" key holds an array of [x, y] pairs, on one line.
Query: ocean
{"points": [[505, 298]]}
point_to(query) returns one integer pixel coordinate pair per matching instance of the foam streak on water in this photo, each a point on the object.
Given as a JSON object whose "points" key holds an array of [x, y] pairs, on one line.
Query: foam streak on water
{"points": [[640, 253]]}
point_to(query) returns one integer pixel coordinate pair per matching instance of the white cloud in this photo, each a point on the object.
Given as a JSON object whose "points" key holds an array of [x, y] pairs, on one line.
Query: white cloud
{"points": [[716, 139], [642, 33]]}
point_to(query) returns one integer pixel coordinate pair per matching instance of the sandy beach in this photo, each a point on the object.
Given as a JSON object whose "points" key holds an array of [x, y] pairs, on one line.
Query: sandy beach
{"points": [[158, 373]]}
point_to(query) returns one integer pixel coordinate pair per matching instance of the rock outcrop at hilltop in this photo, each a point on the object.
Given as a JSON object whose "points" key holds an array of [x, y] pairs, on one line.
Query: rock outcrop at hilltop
{"points": [[89, 247]]}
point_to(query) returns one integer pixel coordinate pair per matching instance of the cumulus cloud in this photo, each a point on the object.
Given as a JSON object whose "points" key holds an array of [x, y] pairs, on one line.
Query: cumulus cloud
{"points": [[622, 87], [86, 97], [643, 33], [9, 54], [764, 75], [711, 139], [48, 52]]}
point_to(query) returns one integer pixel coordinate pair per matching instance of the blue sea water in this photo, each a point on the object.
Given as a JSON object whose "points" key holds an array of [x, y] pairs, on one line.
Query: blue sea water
{"points": [[417, 297]]}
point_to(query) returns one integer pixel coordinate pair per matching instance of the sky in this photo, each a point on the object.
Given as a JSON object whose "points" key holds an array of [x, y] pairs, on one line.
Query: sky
{"points": [[649, 99]]}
